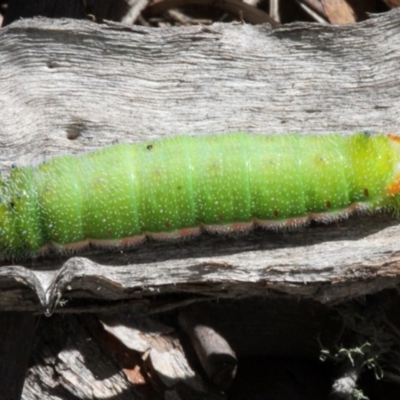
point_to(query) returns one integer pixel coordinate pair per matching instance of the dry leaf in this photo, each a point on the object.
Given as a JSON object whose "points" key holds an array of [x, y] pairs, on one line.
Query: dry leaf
{"points": [[338, 12], [392, 3]]}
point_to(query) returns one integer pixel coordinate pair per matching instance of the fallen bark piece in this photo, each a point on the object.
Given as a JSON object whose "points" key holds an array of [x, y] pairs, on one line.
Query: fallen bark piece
{"points": [[163, 361], [338, 11], [68, 363]]}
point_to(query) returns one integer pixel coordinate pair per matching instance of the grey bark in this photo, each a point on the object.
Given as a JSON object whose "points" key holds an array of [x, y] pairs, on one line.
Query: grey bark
{"points": [[70, 86]]}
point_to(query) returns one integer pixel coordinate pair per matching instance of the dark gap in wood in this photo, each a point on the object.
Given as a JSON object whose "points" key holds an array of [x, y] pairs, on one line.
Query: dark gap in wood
{"points": [[16, 333], [45, 8]]}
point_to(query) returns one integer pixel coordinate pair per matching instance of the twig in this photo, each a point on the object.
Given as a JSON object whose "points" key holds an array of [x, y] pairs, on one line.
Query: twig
{"points": [[311, 12], [136, 6], [216, 356], [315, 5], [274, 10]]}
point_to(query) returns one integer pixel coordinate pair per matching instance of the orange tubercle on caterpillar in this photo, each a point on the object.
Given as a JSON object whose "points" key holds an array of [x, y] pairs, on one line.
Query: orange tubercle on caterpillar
{"points": [[394, 186], [394, 137]]}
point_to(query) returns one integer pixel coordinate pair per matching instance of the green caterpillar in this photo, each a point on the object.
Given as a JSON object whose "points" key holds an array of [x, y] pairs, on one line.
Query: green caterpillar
{"points": [[178, 186]]}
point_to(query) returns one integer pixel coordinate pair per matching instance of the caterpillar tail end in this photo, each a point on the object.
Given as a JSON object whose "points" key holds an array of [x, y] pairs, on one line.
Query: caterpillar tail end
{"points": [[393, 186]]}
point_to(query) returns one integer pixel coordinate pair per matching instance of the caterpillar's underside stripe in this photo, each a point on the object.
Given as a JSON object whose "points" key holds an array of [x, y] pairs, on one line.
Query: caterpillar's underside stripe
{"points": [[177, 187], [180, 234]]}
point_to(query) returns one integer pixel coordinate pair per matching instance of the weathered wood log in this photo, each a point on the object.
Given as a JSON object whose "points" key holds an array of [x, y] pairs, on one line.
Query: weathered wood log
{"points": [[73, 86]]}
